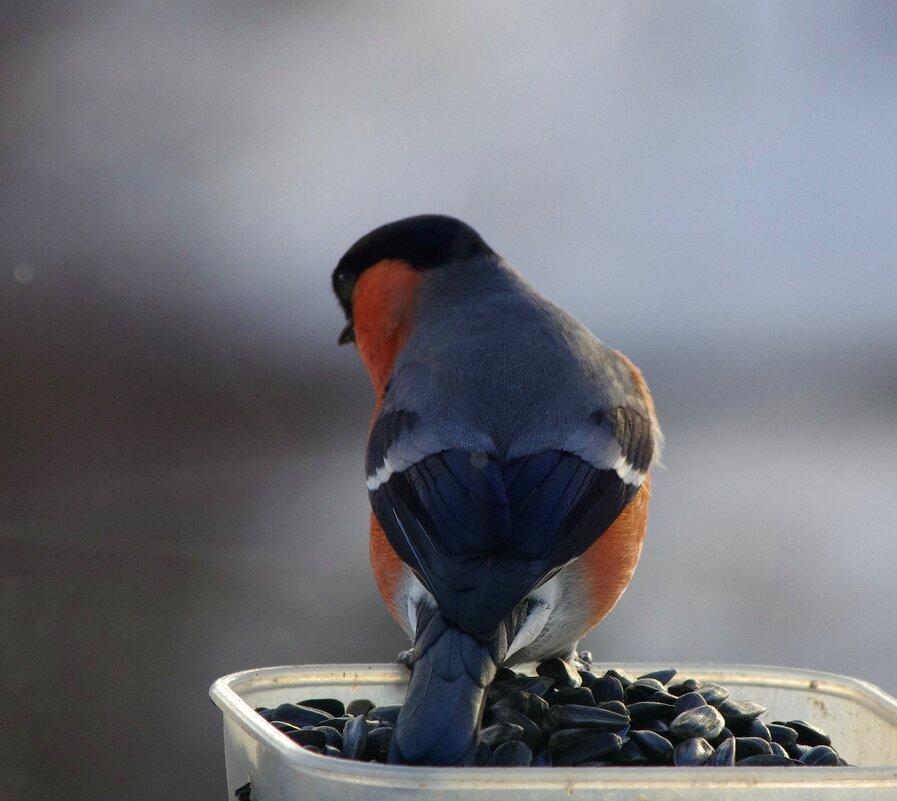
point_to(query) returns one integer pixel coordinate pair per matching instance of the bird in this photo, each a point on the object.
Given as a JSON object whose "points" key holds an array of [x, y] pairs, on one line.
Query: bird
{"points": [[507, 466]]}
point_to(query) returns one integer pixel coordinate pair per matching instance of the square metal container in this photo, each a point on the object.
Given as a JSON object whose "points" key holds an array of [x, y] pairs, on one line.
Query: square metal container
{"points": [[860, 718]]}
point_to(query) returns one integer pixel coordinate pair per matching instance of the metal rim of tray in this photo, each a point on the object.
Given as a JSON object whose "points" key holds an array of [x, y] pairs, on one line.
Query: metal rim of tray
{"points": [[224, 693]]}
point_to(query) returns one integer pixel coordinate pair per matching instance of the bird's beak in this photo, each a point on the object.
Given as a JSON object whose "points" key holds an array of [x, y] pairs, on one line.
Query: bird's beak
{"points": [[348, 333]]}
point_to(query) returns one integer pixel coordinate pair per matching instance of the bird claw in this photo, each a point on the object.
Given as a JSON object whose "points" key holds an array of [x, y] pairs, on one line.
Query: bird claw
{"points": [[582, 660], [406, 658]]}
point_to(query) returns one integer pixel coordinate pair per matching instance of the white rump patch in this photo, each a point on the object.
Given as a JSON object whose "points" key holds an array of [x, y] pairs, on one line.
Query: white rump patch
{"points": [[597, 445]]}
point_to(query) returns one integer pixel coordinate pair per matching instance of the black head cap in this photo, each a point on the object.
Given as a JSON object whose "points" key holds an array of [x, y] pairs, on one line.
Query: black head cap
{"points": [[425, 242]]}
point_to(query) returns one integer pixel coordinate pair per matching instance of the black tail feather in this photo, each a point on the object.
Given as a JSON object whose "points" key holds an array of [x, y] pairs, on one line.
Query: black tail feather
{"points": [[440, 719]]}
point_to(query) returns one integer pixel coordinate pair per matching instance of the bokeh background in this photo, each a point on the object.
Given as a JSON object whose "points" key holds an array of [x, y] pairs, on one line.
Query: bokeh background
{"points": [[709, 186]]}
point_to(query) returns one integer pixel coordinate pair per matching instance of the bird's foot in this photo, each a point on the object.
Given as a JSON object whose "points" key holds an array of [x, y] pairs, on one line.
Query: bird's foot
{"points": [[406, 658], [582, 660]]}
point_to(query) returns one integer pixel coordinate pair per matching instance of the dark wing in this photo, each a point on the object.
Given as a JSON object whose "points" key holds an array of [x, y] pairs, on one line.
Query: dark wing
{"points": [[481, 532]]}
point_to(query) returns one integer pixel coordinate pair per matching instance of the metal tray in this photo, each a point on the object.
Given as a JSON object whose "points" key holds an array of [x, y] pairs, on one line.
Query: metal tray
{"points": [[860, 718]]}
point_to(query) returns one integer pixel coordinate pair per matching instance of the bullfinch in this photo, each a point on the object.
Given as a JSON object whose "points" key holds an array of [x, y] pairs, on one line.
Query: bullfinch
{"points": [[507, 468]]}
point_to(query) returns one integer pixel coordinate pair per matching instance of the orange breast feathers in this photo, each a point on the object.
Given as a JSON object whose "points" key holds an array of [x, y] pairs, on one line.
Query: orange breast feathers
{"points": [[383, 309], [607, 566]]}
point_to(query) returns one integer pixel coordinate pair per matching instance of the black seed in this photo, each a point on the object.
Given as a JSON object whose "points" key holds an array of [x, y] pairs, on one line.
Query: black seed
{"points": [[750, 746], [597, 745], [688, 701], [334, 738], [313, 748], [766, 761], [658, 726], [332, 706], [797, 750], [588, 678], [654, 746], [809, 735], [754, 728], [563, 673], [536, 685], [821, 755], [244, 792], [300, 715], [482, 755], [643, 689], [620, 675], [725, 734], [724, 755], [499, 733], [739, 711], [778, 750], [359, 706], [329, 750], [387, 715], [650, 710], [532, 733], [692, 752], [527, 704], [663, 676], [782, 734], [379, 741], [510, 754], [542, 759], [607, 688], [355, 738], [703, 721], [663, 697], [574, 695], [630, 754], [504, 674], [572, 716], [565, 739], [615, 706], [267, 714], [339, 723], [682, 687], [712, 693], [308, 737]]}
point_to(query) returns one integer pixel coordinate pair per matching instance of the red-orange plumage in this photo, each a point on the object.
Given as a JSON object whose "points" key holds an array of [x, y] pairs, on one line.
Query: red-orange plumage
{"points": [[608, 565], [387, 566], [383, 305]]}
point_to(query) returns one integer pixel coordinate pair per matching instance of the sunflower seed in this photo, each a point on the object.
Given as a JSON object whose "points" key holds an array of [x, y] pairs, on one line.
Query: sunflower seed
{"points": [[571, 716], [712, 693], [300, 715], [739, 711], [654, 746], [702, 721], [688, 701], [808, 734], [765, 760], [562, 672], [360, 706], [692, 752], [331, 706], [821, 755], [596, 745], [782, 734], [510, 754], [724, 755]]}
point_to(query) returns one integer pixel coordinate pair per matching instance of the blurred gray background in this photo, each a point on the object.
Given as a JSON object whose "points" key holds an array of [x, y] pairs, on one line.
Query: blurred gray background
{"points": [[709, 186]]}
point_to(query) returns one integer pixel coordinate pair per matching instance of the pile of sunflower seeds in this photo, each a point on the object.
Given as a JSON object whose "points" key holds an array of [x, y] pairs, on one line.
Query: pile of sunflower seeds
{"points": [[566, 717]]}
